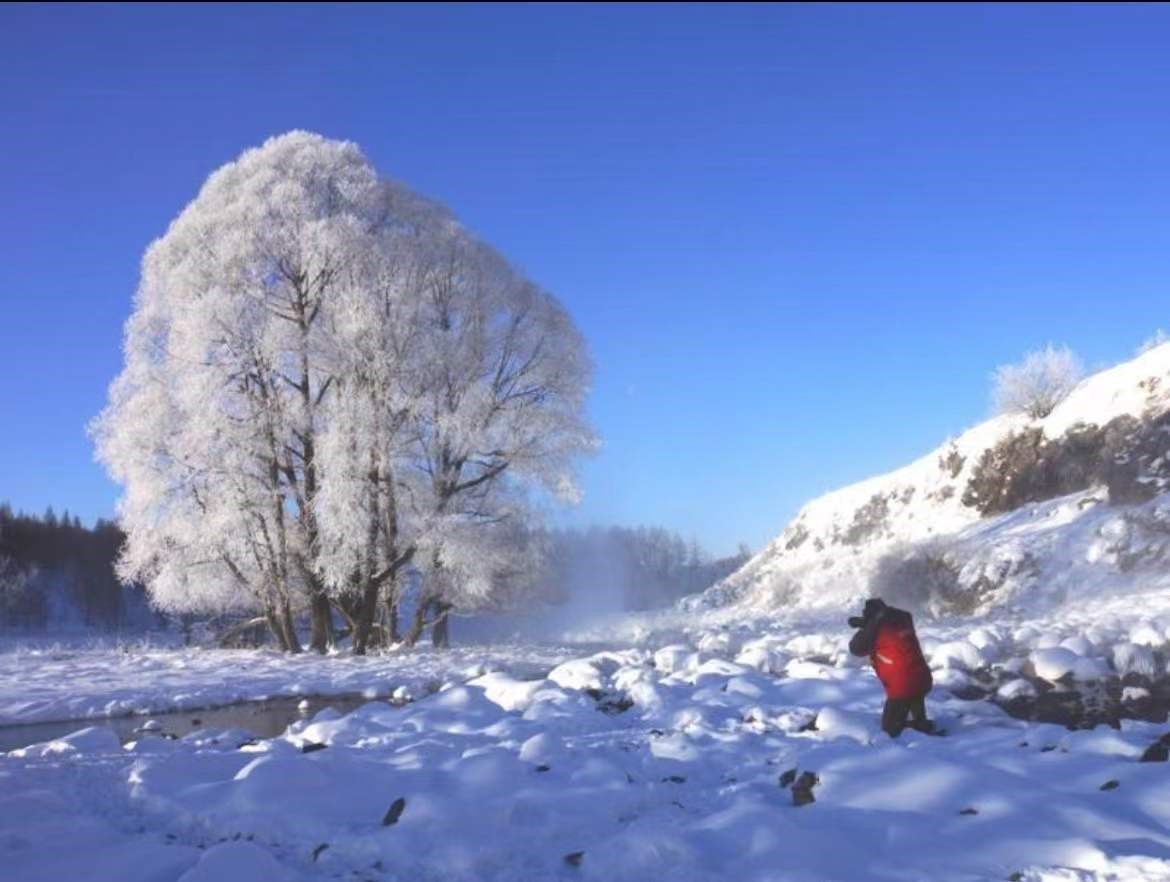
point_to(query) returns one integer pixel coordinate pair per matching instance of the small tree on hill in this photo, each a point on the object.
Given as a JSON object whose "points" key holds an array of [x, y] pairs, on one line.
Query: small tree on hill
{"points": [[1037, 384]]}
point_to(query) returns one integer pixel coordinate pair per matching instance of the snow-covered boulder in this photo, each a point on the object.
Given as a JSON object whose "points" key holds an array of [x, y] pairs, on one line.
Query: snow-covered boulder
{"points": [[1014, 689], [1147, 634], [1054, 663], [672, 658], [833, 722], [957, 654], [1134, 658], [236, 862]]}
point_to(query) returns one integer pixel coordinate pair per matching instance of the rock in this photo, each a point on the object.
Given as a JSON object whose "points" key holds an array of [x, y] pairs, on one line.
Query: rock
{"points": [[1111, 785], [969, 811], [574, 858], [317, 851], [802, 789], [787, 778], [1156, 753], [400, 695], [312, 746], [394, 812], [675, 779]]}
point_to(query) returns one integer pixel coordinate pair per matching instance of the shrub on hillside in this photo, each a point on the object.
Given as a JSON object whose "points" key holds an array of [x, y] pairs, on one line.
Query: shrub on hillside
{"points": [[1038, 383]]}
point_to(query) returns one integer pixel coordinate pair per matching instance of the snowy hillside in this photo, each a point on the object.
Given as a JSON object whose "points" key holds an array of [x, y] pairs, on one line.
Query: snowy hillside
{"points": [[1081, 505]]}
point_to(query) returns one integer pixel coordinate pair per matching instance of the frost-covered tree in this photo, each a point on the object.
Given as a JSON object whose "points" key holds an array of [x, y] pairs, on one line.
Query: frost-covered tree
{"points": [[1158, 338], [321, 369], [497, 392], [1038, 383]]}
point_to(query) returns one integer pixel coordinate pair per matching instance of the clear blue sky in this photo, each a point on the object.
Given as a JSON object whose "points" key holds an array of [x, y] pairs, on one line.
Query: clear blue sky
{"points": [[797, 238]]}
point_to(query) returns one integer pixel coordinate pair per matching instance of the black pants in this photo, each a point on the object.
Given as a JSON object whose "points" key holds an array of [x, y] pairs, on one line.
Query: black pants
{"points": [[896, 711]]}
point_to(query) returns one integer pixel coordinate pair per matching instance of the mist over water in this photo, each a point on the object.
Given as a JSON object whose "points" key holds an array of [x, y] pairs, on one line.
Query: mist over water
{"points": [[595, 579]]}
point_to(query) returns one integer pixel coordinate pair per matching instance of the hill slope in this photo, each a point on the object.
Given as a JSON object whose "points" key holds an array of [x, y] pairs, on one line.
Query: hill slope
{"points": [[1015, 512]]}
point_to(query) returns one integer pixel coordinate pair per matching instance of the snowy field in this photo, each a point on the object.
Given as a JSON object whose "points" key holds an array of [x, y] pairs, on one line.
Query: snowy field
{"points": [[673, 760], [40, 683]]}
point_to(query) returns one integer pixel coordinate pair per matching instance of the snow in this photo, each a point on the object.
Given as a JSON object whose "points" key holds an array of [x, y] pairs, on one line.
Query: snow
{"points": [[668, 747], [523, 764], [1030, 559], [56, 683]]}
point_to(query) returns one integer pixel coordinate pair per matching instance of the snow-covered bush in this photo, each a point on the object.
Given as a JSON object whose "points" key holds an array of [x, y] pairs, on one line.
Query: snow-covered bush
{"points": [[1038, 383], [1158, 338]]}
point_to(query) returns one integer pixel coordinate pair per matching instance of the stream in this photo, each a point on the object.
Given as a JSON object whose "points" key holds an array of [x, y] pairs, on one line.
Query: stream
{"points": [[264, 719]]}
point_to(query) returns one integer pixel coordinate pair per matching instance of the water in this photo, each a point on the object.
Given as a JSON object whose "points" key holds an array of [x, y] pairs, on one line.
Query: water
{"points": [[264, 719]]}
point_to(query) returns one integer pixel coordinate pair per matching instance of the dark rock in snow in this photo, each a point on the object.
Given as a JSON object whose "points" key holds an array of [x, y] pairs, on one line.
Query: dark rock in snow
{"points": [[320, 848], [573, 859], [611, 703], [1156, 753], [787, 778], [312, 747], [394, 812], [810, 726], [543, 767], [1111, 785], [675, 779], [802, 789], [969, 693], [969, 811]]}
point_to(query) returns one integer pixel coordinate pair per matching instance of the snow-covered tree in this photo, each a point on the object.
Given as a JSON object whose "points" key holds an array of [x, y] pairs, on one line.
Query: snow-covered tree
{"points": [[1158, 338], [1038, 383], [322, 369], [497, 393]]}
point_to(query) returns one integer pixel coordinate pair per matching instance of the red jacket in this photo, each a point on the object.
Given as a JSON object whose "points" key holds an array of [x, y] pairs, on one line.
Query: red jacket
{"points": [[892, 646]]}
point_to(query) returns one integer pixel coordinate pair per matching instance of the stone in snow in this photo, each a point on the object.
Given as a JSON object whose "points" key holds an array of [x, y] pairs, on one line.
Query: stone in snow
{"points": [[394, 812]]}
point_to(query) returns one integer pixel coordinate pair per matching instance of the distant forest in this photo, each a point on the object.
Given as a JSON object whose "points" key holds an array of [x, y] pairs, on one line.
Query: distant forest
{"points": [[54, 572]]}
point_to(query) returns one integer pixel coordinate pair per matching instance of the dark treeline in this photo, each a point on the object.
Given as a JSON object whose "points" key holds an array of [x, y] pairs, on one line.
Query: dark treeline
{"points": [[54, 571]]}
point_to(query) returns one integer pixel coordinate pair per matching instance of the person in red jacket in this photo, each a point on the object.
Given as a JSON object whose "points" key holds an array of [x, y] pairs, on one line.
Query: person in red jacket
{"points": [[887, 636]]}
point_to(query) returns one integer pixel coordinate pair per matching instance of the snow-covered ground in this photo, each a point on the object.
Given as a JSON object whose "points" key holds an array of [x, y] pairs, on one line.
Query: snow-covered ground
{"points": [[39, 683], [660, 761]]}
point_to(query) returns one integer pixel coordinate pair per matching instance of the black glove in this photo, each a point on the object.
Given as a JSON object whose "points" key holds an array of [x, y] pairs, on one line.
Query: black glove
{"points": [[856, 622]]}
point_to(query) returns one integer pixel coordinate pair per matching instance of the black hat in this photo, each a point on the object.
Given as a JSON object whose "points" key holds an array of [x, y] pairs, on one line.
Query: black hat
{"points": [[873, 606]]}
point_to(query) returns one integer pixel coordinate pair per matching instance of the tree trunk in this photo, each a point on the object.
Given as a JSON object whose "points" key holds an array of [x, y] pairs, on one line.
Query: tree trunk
{"points": [[289, 627], [364, 620], [322, 617], [440, 633], [392, 620], [276, 629], [420, 621]]}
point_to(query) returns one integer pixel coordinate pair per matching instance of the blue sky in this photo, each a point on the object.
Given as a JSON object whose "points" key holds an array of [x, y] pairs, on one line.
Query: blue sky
{"points": [[797, 238]]}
